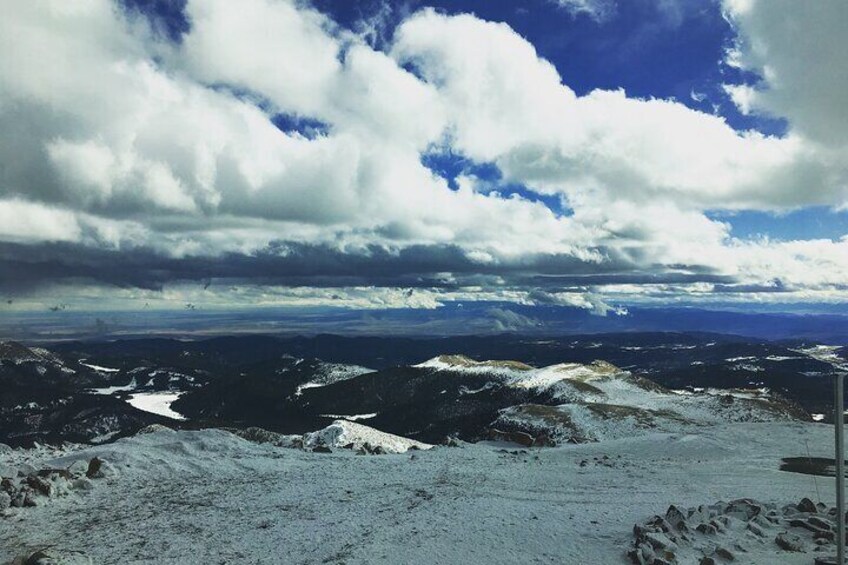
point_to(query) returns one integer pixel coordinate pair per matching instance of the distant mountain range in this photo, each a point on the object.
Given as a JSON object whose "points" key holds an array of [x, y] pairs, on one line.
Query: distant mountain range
{"points": [[547, 391], [819, 323]]}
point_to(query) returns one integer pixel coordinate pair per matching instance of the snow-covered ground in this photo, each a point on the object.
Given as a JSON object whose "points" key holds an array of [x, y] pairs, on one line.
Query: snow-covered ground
{"points": [[156, 403], [211, 497]]}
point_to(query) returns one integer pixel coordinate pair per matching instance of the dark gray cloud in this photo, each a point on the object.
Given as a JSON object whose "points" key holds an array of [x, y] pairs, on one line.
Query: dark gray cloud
{"points": [[24, 268]]}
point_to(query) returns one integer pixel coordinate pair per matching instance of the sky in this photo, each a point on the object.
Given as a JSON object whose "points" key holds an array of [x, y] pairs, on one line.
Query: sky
{"points": [[596, 155]]}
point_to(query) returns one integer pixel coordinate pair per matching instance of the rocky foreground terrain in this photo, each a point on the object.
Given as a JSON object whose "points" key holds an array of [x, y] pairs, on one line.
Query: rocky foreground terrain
{"points": [[212, 496], [729, 531]]}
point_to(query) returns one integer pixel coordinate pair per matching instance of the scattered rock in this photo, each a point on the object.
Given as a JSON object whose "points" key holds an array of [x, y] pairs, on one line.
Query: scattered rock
{"points": [[724, 531], [807, 505], [725, 553], [39, 485], [789, 542], [659, 540], [676, 517], [807, 525], [743, 509], [707, 529], [820, 522], [94, 468], [321, 449]]}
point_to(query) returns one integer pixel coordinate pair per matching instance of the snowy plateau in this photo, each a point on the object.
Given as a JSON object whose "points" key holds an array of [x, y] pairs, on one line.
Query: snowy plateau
{"points": [[212, 497]]}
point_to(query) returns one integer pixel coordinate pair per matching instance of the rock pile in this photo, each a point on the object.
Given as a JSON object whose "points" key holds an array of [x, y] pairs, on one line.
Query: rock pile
{"points": [[720, 532], [30, 487]]}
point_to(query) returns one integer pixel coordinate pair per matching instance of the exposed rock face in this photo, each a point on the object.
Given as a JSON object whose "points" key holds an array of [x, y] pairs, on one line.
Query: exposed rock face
{"points": [[719, 532]]}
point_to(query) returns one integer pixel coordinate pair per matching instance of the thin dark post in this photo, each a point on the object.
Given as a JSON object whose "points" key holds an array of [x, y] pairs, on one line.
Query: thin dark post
{"points": [[839, 425]]}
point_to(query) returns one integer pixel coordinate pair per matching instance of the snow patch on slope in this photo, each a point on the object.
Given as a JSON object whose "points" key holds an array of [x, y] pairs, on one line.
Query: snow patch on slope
{"points": [[329, 373], [566, 381], [98, 368], [463, 364], [343, 433], [156, 403], [351, 417]]}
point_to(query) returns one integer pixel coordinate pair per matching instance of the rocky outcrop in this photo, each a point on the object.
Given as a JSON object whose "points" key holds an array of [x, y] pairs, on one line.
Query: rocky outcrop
{"points": [[719, 532], [31, 487], [260, 435]]}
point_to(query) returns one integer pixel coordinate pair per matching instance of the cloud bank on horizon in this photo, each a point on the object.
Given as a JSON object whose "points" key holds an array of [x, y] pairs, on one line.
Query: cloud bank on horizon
{"points": [[267, 153]]}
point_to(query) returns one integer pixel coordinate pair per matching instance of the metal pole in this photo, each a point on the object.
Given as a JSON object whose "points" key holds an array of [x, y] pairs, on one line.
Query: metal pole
{"points": [[839, 425]]}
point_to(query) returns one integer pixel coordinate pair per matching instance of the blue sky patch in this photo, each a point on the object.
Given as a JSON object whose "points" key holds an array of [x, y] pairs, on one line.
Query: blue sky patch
{"points": [[307, 127], [167, 17], [450, 165], [815, 222]]}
